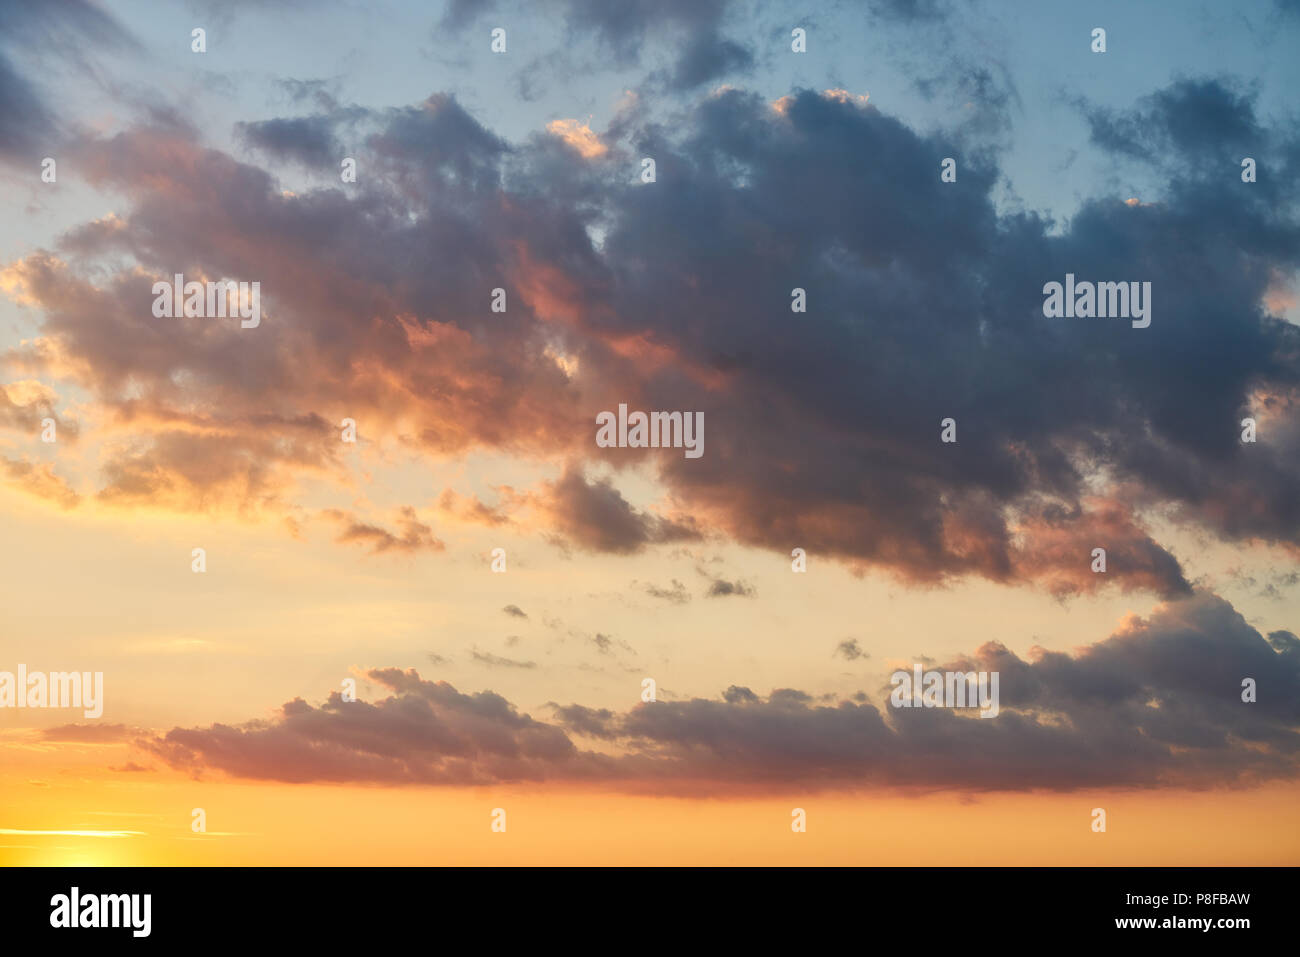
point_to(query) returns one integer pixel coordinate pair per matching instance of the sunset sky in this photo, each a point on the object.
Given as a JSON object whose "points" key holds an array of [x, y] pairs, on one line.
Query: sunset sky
{"points": [[476, 430]]}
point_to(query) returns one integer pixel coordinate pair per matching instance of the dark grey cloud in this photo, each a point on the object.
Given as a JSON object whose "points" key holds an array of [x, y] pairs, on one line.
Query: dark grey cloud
{"points": [[709, 56], [594, 515], [67, 31], [424, 733], [514, 611], [458, 14], [868, 252], [822, 428], [225, 11], [40, 480], [850, 650], [64, 27], [607, 644], [721, 588], [624, 27], [412, 534], [92, 733], [909, 11], [739, 695], [1157, 703]]}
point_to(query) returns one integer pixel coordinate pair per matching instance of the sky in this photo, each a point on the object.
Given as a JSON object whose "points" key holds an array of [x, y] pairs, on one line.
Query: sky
{"points": [[496, 584]]}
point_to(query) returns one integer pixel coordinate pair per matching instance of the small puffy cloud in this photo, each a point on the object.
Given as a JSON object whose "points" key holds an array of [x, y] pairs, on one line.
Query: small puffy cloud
{"points": [[850, 650], [40, 480], [412, 535], [579, 136]]}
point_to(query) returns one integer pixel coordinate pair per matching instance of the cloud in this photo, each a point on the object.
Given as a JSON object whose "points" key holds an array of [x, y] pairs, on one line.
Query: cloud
{"points": [[1196, 116], [40, 480], [707, 56], [26, 404], [22, 114], [595, 516], [909, 11], [722, 588], [515, 611], [69, 32], [579, 136], [497, 661], [83, 833], [92, 733], [1156, 703], [606, 644], [246, 469], [850, 650], [677, 594], [308, 140], [1052, 541], [468, 509], [589, 722], [413, 535], [623, 30], [925, 303], [424, 733]]}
